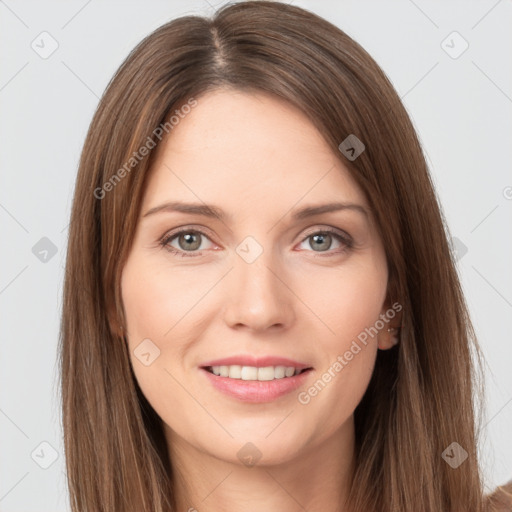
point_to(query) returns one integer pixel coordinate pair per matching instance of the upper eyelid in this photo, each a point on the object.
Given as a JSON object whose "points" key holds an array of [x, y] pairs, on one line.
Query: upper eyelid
{"points": [[167, 237], [328, 229], [173, 234]]}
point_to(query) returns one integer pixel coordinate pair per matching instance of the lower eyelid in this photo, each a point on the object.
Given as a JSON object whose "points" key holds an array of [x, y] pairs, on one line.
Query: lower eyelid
{"points": [[345, 241], [168, 239]]}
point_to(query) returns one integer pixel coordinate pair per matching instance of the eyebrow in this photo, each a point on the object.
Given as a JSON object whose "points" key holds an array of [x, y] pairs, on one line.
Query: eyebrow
{"points": [[209, 210]]}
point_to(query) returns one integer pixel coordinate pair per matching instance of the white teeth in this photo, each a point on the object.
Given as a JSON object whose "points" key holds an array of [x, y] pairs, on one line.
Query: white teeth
{"points": [[235, 371], [266, 373], [279, 372], [248, 373], [253, 373]]}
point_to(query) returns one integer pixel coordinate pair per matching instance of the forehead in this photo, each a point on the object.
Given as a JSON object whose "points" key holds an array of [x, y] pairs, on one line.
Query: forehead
{"points": [[245, 148]]}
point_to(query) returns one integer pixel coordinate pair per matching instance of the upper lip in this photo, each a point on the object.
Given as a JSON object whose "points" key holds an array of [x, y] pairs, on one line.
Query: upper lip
{"points": [[260, 362]]}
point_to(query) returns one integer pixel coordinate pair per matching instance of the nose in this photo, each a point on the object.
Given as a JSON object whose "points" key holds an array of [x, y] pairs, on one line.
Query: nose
{"points": [[258, 296]]}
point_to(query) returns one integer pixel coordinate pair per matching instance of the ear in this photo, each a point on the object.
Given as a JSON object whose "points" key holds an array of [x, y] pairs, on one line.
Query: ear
{"points": [[115, 322], [389, 335]]}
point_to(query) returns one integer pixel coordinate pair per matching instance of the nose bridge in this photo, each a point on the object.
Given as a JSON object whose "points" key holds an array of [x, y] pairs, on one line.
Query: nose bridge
{"points": [[258, 298]]}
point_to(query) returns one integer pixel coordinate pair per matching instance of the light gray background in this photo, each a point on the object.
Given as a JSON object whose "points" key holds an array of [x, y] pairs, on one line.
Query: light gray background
{"points": [[461, 107]]}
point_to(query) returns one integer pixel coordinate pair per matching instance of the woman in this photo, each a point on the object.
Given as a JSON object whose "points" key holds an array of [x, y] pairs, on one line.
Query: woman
{"points": [[212, 357]]}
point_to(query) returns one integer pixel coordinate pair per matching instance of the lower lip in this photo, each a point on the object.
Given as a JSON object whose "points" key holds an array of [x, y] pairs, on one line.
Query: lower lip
{"points": [[256, 391]]}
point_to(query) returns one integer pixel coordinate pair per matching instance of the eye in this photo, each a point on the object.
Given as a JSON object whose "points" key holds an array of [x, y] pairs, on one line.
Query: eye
{"points": [[322, 240], [188, 241]]}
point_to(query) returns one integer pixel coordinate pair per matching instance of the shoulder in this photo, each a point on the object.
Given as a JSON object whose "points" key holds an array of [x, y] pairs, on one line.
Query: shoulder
{"points": [[500, 500]]}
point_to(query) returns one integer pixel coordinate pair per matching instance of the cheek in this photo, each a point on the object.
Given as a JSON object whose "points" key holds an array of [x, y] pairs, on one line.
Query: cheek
{"points": [[346, 301], [156, 300], [147, 303], [167, 306], [349, 303]]}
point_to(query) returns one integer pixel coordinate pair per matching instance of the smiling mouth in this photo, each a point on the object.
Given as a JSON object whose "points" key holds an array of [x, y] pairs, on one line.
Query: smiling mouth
{"points": [[253, 373]]}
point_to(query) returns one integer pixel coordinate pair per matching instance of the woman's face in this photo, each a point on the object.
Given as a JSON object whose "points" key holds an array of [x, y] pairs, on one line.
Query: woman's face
{"points": [[261, 285]]}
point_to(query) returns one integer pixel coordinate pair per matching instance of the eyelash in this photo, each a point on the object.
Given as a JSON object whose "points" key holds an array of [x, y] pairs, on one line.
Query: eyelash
{"points": [[347, 241]]}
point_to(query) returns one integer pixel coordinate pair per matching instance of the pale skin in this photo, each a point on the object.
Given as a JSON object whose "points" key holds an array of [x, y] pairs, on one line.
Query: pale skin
{"points": [[259, 160]]}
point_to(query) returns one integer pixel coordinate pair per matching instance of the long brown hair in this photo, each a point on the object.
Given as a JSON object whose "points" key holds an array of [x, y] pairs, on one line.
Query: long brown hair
{"points": [[421, 396]]}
